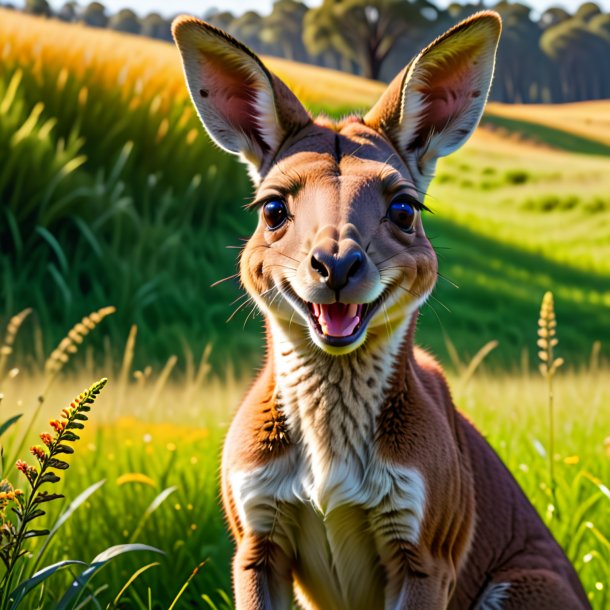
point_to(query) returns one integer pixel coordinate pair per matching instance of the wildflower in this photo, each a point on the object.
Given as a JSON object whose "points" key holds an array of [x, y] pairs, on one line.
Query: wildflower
{"points": [[14, 532], [57, 425], [22, 466], [29, 471], [38, 452]]}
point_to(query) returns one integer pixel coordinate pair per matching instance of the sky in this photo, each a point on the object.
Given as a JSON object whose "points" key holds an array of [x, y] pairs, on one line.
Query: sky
{"points": [[199, 7]]}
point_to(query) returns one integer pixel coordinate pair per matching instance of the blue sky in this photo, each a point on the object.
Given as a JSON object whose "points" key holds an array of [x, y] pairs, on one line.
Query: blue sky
{"points": [[198, 7]]}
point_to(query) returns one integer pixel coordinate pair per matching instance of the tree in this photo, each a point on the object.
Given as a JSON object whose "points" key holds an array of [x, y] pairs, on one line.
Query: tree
{"points": [[154, 26], [552, 16], [247, 28], [587, 11], [95, 15], [222, 20], [282, 31], [68, 12], [580, 56], [523, 72], [125, 21], [37, 7], [600, 25], [365, 31]]}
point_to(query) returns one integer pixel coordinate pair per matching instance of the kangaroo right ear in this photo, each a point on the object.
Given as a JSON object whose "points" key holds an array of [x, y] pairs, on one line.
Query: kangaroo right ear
{"points": [[433, 106], [245, 109]]}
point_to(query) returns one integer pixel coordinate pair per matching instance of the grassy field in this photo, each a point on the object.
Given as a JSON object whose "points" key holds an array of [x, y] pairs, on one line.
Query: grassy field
{"points": [[155, 443], [112, 194]]}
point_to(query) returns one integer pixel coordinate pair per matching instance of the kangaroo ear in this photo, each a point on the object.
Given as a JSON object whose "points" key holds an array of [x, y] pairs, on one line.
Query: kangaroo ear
{"points": [[245, 109], [433, 106]]}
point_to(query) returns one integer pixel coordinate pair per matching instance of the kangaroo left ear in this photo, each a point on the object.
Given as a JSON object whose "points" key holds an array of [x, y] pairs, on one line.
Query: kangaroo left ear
{"points": [[432, 107], [245, 109]]}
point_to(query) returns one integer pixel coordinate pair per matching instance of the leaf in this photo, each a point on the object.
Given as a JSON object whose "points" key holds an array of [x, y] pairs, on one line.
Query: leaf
{"points": [[49, 477], [34, 533], [63, 449], [16, 597], [10, 422], [34, 515], [59, 464], [80, 582], [45, 496], [69, 437], [131, 580], [154, 505], [75, 426]]}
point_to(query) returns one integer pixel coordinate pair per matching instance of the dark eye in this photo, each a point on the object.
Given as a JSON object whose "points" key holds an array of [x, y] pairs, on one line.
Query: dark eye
{"points": [[275, 213], [402, 213]]}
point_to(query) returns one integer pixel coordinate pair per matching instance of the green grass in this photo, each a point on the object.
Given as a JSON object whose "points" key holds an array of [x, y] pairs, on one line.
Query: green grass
{"points": [[557, 138], [187, 525]]}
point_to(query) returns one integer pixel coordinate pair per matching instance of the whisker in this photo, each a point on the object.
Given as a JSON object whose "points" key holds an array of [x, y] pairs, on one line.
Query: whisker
{"points": [[250, 299], [451, 282], [224, 279]]}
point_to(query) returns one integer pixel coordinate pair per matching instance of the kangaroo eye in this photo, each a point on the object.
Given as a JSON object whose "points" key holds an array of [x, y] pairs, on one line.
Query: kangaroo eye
{"points": [[402, 213], [275, 213]]}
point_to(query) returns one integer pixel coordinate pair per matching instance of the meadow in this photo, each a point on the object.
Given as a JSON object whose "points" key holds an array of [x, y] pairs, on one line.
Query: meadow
{"points": [[112, 195]]}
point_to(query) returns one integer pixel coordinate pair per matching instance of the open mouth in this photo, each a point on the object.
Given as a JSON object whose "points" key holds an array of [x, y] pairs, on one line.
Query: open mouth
{"points": [[340, 324]]}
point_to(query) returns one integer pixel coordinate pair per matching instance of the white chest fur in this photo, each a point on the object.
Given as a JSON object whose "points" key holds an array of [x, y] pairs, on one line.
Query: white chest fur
{"points": [[331, 501]]}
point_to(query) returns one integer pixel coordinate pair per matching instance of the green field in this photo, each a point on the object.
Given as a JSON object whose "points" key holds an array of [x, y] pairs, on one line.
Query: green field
{"points": [[144, 458], [112, 195]]}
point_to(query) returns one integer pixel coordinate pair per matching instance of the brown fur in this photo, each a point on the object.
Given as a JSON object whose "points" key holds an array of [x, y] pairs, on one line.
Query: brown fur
{"points": [[348, 473]]}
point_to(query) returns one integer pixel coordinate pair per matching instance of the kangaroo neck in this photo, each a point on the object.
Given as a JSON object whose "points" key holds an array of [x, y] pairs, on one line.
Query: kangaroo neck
{"points": [[332, 402]]}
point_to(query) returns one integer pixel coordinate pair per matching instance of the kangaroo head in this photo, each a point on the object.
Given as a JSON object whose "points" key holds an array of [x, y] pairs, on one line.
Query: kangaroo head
{"points": [[340, 253]]}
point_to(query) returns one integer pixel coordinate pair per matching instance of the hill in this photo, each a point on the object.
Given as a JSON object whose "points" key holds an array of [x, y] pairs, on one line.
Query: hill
{"points": [[113, 195]]}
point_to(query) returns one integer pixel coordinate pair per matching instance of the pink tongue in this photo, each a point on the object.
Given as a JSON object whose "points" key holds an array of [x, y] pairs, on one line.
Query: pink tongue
{"points": [[338, 319]]}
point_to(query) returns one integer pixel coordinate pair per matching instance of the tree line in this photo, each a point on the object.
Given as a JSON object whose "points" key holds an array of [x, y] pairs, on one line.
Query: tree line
{"points": [[556, 57]]}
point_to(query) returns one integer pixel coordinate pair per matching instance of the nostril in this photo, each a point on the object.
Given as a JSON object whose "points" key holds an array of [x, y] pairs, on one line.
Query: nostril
{"points": [[357, 258], [319, 266]]}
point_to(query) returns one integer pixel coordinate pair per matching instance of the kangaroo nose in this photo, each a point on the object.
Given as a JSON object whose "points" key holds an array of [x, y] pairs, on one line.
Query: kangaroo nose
{"points": [[337, 270]]}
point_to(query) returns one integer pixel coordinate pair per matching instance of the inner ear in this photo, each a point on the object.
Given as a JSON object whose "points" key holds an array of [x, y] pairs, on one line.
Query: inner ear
{"points": [[230, 85], [446, 89]]}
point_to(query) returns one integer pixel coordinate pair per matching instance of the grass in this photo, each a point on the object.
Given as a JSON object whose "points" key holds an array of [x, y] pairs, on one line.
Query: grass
{"points": [[160, 479], [551, 136], [588, 119]]}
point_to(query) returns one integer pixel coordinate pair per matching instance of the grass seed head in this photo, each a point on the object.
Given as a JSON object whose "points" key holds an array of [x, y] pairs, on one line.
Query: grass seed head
{"points": [[547, 341], [69, 344]]}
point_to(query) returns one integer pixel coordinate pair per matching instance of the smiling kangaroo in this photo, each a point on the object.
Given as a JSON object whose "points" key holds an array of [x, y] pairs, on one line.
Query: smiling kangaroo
{"points": [[348, 476]]}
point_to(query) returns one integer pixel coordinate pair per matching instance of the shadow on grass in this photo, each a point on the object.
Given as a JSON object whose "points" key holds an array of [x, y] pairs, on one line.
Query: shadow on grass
{"points": [[548, 135], [500, 289]]}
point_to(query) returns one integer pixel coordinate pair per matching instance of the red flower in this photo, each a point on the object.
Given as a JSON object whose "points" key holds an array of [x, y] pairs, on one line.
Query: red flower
{"points": [[46, 438], [22, 466]]}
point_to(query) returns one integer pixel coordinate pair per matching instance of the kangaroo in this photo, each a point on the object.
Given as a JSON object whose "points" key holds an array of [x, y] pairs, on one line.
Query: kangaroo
{"points": [[349, 478]]}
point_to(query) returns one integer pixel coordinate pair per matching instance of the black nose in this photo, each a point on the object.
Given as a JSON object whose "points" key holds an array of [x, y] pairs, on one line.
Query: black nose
{"points": [[337, 270]]}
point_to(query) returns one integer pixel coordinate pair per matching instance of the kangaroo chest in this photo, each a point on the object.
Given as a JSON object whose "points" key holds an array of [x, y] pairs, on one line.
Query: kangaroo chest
{"points": [[330, 502]]}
